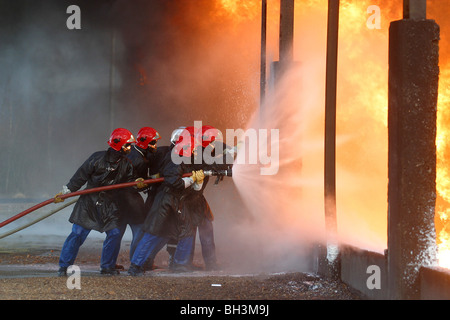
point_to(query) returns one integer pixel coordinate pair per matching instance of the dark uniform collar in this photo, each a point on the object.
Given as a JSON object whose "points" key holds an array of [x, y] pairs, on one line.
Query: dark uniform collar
{"points": [[113, 156]]}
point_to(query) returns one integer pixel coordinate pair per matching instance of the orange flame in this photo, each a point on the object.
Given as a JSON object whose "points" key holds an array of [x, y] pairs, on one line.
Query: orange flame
{"points": [[442, 165], [362, 106]]}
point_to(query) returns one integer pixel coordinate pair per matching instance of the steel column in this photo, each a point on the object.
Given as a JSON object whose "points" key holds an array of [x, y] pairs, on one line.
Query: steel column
{"points": [[330, 135]]}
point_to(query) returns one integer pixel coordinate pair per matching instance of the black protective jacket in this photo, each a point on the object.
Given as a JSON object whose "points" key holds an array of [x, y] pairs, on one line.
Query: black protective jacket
{"points": [[163, 217], [194, 211], [195, 205], [99, 211], [156, 164], [131, 203]]}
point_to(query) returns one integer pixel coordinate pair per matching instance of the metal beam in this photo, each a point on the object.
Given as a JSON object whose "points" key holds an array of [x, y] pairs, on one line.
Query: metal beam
{"points": [[330, 125], [415, 9], [286, 30], [286, 40], [263, 52]]}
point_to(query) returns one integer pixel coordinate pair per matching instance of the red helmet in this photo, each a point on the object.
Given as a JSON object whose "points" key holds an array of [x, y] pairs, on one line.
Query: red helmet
{"points": [[146, 136], [195, 135], [209, 134], [120, 137], [193, 131]]}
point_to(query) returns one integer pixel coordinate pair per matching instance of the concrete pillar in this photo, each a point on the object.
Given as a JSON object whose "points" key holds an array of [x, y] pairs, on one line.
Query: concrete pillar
{"points": [[413, 92]]}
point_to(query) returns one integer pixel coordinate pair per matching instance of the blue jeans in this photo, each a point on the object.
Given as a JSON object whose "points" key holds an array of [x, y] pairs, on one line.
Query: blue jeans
{"points": [[77, 237], [137, 233], [148, 247], [183, 251]]}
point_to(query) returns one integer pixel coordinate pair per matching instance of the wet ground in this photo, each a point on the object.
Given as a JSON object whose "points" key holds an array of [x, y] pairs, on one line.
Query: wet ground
{"points": [[28, 271], [29, 264]]}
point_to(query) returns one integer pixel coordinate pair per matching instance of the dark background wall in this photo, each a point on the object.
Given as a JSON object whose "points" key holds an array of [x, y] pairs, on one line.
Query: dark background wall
{"points": [[133, 63]]}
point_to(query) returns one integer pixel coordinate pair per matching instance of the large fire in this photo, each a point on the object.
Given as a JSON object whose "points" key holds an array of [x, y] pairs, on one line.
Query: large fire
{"points": [[362, 106]]}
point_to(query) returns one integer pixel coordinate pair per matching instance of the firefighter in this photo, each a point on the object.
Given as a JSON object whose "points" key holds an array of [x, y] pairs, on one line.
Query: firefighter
{"points": [[181, 245], [156, 165], [131, 202], [196, 210], [214, 156], [98, 211], [155, 168], [162, 221]]}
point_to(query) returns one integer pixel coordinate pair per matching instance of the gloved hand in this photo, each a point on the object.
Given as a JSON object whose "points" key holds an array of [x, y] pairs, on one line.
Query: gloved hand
{"points": [[57, 198], [64, 190], [194, 176], [199, 176], [140, 183]]}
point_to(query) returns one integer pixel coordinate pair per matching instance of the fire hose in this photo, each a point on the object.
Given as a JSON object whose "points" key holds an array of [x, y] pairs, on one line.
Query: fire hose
{"points": [[217, 173], [45, 216]]}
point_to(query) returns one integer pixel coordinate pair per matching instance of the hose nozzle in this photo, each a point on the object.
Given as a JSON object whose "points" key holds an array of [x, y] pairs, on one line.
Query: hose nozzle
{"points": [[219, 173]]}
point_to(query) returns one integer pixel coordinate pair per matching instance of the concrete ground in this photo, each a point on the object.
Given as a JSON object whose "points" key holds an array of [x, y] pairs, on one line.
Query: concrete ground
{"points": [[28, 271]]}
